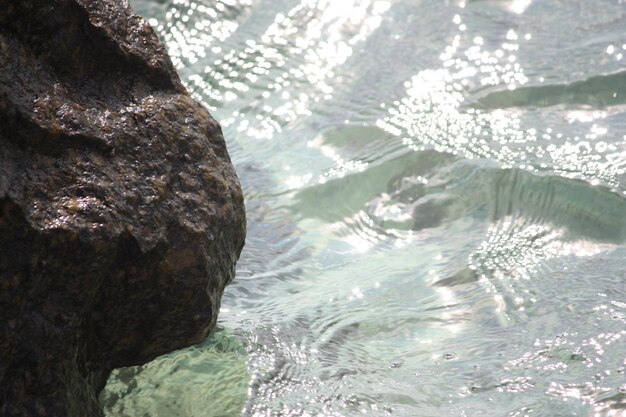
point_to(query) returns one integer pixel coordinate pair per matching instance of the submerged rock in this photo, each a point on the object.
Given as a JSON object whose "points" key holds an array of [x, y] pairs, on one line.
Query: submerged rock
{"points": [[121, 216]]}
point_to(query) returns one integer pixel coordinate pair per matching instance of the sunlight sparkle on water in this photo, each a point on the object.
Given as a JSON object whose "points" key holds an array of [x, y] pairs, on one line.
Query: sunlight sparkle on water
{"points": [[435, 198], [320, 46], [519, 6]]}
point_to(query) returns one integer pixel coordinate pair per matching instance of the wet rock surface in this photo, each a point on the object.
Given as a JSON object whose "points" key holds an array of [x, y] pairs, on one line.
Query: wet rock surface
{"points": [[121, 216]]}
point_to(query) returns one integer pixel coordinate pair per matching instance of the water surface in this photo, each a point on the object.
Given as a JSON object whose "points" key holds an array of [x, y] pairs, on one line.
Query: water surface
{"points": [[436, 206]]}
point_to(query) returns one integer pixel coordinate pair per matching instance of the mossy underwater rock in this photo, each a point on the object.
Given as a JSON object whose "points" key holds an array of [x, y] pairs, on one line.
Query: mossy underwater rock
{"points": [[121, 216]]}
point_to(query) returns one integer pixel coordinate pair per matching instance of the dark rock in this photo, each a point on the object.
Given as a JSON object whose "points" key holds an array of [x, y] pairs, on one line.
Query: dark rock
{"points": [[121, 216]]}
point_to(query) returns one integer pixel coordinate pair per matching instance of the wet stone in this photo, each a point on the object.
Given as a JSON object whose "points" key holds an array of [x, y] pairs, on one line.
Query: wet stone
{"points": [[121, 215]]}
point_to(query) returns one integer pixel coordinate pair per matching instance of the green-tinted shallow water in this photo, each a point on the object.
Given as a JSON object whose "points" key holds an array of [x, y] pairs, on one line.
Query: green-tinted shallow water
{"points": [[436, 198]]}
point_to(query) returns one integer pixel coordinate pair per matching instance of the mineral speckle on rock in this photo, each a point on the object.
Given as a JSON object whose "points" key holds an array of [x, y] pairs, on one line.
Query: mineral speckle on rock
{"points": [[121, 216]]}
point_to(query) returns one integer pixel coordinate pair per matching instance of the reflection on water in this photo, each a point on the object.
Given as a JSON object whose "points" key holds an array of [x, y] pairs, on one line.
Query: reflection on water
{"points": [[435, 196]]}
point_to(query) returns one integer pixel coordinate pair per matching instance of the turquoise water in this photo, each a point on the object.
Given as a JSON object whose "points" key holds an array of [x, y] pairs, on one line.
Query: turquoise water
{"points": [[436, 197]]}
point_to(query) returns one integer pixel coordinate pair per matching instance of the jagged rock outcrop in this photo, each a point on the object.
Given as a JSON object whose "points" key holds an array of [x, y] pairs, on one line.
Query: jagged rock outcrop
{"points": [[121, 216]]}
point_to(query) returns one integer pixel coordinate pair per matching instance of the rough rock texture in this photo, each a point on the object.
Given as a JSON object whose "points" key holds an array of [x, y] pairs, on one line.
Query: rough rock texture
{"points": [[121, 216]]}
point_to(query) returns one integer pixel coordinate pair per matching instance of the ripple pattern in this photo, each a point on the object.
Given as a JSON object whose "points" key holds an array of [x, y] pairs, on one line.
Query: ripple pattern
{"points": [[435, 195]]}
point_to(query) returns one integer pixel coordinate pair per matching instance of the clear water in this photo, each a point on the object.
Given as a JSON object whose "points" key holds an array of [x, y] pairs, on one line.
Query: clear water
{"points": [[436, 196]]}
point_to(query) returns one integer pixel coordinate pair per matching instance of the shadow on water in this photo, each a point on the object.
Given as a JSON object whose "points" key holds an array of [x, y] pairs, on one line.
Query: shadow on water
{"points": [[338, 198], [599, 92], [429, 189]]}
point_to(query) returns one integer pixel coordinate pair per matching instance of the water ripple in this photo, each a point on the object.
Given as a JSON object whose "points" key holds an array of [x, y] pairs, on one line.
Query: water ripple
{"points": [[435, 195]]}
